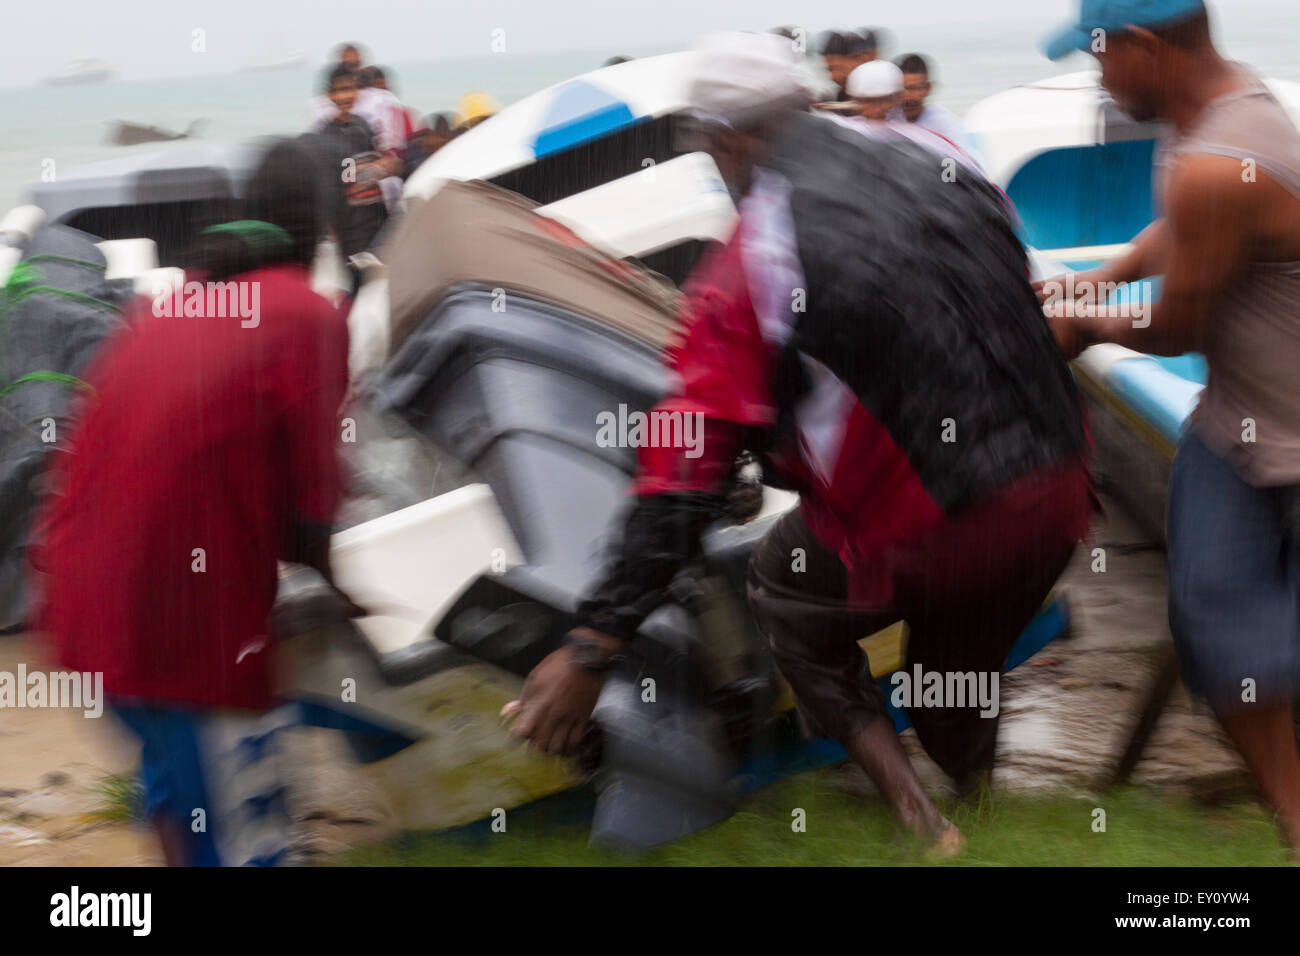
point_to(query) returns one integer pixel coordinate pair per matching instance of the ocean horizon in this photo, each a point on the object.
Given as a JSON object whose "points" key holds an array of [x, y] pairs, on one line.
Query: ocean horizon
{"points": [[69, 125]]}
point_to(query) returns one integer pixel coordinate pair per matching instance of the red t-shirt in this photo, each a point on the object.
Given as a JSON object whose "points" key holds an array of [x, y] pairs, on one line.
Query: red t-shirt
{"points": [[200, 434]]}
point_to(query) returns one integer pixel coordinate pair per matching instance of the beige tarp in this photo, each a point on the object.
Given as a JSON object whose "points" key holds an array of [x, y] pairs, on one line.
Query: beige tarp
{"points": [[473, 232]]}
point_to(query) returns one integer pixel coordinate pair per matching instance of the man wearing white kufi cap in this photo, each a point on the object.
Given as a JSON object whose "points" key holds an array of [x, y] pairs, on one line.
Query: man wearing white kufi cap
{"points": [[749, 75], [876, 87], [749, 82]]}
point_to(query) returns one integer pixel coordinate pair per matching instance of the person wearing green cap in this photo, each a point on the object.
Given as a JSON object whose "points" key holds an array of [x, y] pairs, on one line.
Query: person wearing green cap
{"points": [[204, 453], [1228, 245]]}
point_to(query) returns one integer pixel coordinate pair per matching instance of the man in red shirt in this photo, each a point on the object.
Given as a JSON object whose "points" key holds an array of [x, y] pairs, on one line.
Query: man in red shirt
{"points": [[205, 454], [870, 329]]}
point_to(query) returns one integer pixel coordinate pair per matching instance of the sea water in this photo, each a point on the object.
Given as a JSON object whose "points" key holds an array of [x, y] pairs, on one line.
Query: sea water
{"points": [[68, 126]]}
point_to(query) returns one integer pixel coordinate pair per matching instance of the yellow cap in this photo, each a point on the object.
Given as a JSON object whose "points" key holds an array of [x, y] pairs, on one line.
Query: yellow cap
{"points": [[475, 107]]}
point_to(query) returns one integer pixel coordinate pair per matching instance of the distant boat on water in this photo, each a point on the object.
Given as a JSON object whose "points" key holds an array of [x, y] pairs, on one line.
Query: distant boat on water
{"points": [[123, 133], [81, 72], [288, 60]]}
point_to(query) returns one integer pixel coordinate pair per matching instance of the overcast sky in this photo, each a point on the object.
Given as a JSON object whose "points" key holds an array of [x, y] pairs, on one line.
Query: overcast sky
{"points": [[153, 37]]}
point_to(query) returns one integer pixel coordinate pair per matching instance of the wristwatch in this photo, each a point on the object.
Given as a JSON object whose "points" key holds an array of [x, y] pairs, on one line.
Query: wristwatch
{"points": [[592, 655]]}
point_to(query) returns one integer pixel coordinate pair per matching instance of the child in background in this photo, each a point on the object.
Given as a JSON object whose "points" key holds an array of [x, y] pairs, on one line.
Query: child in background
{"points": [[351, 169]]}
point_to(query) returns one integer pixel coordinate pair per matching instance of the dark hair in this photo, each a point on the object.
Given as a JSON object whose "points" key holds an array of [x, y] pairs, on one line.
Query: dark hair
{"points": [[281, 192], [787, 32], [858, 45], [616, 60], [335, 73], [913, 63], [835, 44], [346, 48], [440, 122], [849, 43], [870, 37], [1189, 33]]}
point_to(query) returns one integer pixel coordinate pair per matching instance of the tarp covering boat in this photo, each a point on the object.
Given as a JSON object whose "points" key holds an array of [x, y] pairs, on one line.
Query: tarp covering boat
{"points": [[55, 310], [473, 233]]}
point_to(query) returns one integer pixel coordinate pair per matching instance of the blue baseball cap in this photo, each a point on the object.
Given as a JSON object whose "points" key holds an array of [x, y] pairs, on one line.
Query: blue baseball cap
{"points": [[1115, 15]]}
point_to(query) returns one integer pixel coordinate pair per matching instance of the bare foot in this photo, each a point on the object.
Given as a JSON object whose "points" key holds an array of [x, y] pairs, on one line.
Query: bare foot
{"points": [[1290, 827], [948, 843]]}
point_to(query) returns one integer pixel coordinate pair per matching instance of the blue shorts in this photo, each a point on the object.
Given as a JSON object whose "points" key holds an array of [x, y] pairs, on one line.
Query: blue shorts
{"points": [[215, 775], [1234, 583]]}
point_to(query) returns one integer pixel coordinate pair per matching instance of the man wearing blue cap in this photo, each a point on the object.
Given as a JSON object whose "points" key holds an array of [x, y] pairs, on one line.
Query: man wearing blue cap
{"points": [[1228, 245]]}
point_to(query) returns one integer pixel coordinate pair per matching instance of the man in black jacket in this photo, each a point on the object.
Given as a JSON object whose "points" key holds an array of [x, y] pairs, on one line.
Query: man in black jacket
{"points": [[870, 328]]}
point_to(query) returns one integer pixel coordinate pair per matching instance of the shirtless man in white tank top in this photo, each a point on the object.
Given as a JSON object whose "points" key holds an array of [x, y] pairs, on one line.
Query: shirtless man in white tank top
{"points": [[1228, 246]]}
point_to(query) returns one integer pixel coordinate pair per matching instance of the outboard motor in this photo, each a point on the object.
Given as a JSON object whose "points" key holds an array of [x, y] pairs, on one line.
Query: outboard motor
{"points": [[515, 397]]}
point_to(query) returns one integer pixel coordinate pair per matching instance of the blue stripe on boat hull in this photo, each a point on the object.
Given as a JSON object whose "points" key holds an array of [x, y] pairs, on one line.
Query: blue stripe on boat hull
{"points": [[594, 125], [1159, 396]]}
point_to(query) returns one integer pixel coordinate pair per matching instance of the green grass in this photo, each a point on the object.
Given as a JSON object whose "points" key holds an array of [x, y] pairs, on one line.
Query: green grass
{"points": [[121, 797], [1143, 828]]}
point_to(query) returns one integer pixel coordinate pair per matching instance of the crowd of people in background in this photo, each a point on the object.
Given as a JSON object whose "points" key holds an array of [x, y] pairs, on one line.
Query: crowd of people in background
{"points": [[363, 128], [398, 131], [896, 92], [367, 142]]}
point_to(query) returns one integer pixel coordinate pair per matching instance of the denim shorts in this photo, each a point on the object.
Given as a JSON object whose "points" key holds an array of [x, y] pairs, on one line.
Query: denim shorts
{"points": [[1234, 583]]}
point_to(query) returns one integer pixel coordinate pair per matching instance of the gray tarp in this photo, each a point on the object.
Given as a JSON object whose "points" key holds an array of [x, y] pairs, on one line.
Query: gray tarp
{"points": [[55, 311]]}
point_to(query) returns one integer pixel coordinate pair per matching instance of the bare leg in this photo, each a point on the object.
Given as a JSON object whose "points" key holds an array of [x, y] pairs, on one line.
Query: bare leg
{"points": [[814, 637], [1266, 739], [174, 843], [875, 748]]}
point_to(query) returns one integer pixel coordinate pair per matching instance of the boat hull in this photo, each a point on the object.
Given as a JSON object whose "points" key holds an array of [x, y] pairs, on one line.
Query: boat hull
{"points": [[1138, 406]]}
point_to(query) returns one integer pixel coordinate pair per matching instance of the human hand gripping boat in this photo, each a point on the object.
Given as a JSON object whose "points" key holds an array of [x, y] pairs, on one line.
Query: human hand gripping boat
{"points": [[1081, 176]]}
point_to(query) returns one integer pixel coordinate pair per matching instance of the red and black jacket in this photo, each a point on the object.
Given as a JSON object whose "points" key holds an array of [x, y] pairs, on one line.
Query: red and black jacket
{"points": [[871, 330]]}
